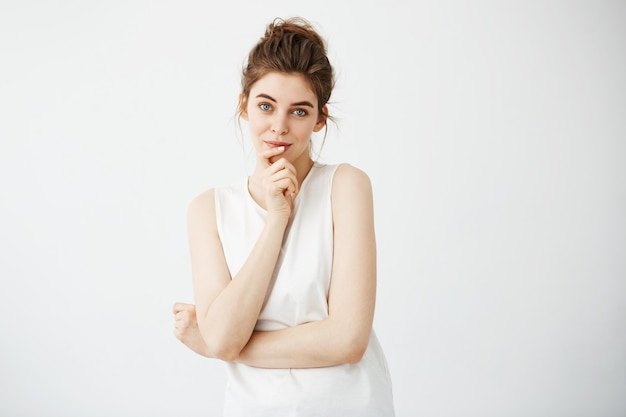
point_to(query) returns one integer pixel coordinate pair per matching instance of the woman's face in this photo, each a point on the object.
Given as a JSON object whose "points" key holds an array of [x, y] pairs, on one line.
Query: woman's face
{"points": [[282, 110]]}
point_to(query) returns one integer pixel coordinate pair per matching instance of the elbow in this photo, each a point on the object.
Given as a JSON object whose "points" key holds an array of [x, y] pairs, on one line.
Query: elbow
{"points": [[223, 351], [349, 341], [354, 349], [227, 355], [222, 348], [354, 354], [220, 342]]}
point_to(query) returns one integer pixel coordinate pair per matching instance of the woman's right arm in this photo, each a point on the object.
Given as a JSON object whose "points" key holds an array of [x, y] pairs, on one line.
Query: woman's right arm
{"points": [[227, 309]]}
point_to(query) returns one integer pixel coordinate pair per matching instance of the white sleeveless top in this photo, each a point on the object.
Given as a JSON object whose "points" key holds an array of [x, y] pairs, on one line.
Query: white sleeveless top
{"points": [[298, 294]]}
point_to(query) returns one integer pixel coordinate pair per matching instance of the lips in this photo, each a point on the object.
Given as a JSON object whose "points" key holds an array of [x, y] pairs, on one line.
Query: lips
{"points": [[276, 144]]}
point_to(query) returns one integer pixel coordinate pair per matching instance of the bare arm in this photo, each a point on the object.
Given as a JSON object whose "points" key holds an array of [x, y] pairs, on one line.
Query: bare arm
{"points": [[227, 309], [344, 336]]}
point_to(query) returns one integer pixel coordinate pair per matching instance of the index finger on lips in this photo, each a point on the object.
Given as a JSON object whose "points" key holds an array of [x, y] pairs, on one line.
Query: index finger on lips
{"points": [[269, 153]]}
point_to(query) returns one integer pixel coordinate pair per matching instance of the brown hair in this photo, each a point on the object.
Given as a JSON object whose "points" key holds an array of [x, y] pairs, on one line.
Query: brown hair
{"points": [[290, 46]]}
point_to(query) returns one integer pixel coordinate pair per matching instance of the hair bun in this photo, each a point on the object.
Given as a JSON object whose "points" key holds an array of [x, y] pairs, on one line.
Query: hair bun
{"points": [[276, 28], [293, 26]]}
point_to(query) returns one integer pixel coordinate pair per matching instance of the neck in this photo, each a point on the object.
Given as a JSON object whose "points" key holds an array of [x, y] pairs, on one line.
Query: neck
{"points": [[302, 169]]}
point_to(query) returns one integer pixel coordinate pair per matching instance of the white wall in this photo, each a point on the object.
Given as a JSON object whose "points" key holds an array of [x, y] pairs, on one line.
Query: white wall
{"points": [[494, 135]]}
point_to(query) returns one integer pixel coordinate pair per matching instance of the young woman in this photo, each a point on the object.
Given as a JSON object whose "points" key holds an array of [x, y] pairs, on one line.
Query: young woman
{"points": [[284, 262]]}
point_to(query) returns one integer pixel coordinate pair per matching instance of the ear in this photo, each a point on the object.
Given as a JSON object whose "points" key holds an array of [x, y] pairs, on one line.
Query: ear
{"points": [[243, 107], [321, 121]]}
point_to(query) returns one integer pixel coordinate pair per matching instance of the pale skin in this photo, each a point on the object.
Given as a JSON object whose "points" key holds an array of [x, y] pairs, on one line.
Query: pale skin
{"points": [[282, 113]]}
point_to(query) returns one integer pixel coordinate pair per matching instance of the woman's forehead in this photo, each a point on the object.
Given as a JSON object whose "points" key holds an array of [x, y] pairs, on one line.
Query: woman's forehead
{"points": [[284, 87]]}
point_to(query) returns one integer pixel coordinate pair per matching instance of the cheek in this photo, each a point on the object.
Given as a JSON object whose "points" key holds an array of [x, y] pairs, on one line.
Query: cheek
{"points": [[304, 130], [255, 126]]}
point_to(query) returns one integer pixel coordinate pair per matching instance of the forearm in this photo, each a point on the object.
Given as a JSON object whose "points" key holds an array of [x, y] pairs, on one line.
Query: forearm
{"points": [[311, 345], [229, 320]]}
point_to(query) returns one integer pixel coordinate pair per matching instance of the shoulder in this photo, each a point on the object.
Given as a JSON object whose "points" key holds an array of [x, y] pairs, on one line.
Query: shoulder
{"points": [[201, 207], [350, 179], [351, 187], [352, 202]]}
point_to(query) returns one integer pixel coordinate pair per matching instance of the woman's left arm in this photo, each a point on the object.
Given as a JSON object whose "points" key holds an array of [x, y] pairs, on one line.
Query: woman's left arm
{"points": [[342, 337]]}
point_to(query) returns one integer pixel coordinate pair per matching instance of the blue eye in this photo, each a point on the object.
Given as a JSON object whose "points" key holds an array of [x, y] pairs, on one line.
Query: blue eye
{"points": [[300, 112], [265, 107]]}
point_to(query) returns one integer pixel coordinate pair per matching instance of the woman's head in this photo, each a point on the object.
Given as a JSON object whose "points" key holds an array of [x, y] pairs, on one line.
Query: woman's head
{"points": [[290, 46]]}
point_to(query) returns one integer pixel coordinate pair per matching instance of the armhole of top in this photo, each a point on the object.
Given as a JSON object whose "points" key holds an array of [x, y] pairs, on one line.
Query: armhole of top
{"points": [[334, 169], [331, 177], [218, 212]]}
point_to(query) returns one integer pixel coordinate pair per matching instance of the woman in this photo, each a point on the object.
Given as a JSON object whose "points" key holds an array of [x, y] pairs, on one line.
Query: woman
{"points": [[284, 263]]}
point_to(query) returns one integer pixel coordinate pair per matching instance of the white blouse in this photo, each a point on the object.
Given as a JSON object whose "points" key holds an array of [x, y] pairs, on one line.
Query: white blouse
{"points": [[298, 294]]}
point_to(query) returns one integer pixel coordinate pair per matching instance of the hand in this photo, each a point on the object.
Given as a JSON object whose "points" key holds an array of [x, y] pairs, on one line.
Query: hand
{"points": [[186, 328], [277, 178]]}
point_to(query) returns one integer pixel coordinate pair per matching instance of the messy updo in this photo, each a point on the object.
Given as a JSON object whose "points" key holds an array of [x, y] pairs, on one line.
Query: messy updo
{"points": [[290, 46]]}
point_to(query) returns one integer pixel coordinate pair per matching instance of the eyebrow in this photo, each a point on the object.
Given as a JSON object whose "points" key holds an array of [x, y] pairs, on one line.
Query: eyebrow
{"points": [[299, 103]]}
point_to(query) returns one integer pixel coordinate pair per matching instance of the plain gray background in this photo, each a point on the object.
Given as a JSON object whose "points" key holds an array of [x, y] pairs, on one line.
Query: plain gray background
{"points": [[495, 137]]}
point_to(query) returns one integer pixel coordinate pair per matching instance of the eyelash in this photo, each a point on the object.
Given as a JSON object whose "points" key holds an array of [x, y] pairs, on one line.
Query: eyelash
{"points": [[297, 112]]}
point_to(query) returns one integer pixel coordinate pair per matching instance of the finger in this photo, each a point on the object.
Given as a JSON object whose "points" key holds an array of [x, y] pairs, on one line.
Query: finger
{"points": [[281, 181], [280, 165], [288, 172], [183, 322], [184, 314], [289, 197], [267, 154], [183, 307], [285, 186]]}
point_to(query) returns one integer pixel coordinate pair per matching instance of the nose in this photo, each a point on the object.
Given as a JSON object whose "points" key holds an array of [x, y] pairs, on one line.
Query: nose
{"points": [[279, 124]]}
